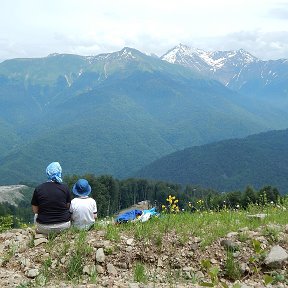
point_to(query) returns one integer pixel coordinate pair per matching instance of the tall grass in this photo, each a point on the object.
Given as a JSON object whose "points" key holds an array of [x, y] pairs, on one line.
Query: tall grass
{"points": [[80, 252], [207, 225]]}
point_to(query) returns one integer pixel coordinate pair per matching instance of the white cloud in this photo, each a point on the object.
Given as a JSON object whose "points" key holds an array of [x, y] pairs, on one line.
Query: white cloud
{"points": [[36, 28]]}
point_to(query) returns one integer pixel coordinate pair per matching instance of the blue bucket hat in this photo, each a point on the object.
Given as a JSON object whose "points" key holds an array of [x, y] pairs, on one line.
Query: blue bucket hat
{"points": [[54, 172], [81, 188]]}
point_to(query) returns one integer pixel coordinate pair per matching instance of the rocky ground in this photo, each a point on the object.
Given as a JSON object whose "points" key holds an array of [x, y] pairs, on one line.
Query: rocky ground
{"points": [[31, 260]]}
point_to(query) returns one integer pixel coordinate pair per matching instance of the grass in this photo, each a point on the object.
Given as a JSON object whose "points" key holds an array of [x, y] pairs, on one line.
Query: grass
{"points": [[80, 252], [271, 233], [140, 273], [207, 225], [9, 254], [45, 273], [167, 233], [232, 267], [112, 233]]}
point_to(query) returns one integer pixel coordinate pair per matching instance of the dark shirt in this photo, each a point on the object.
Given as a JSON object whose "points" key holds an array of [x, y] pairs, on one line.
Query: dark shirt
{"points": [[52, 199]]}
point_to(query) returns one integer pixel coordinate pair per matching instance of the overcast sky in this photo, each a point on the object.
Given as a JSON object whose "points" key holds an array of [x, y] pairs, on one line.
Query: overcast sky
{"points": [[36, 28]]}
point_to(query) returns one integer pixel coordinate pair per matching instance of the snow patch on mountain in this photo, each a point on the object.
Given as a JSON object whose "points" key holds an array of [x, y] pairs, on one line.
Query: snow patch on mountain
{"points": [[185, 55], [127, 54], [67, 80]]}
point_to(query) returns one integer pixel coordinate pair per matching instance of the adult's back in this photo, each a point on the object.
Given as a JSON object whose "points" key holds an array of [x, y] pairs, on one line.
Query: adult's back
{"points": [[51, 201]]}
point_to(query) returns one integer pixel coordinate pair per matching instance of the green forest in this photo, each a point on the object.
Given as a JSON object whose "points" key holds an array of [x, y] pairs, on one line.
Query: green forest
{"points": [[113, 195], [257, 160]]}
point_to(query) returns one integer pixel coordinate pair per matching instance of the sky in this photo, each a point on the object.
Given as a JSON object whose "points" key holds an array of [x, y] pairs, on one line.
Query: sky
{"points": [[37, 28]]}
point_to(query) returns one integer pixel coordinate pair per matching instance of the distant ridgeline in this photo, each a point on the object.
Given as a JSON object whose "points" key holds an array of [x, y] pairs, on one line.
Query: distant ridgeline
{"points": [[114, 113], [228, 165], [113, 195]]}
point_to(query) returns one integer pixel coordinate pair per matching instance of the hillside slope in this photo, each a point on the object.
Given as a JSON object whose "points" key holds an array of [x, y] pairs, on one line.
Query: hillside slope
{"points": [[256, 160], [12, 194], [118, 112]]}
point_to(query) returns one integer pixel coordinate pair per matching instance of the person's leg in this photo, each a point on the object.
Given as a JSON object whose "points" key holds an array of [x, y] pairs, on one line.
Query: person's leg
{"points": [[52, 228]]}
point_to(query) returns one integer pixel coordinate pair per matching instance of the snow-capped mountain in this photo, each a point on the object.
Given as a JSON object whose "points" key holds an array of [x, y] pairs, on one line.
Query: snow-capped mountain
{"points": [[237, 69], [213, 61], [187, 56]]}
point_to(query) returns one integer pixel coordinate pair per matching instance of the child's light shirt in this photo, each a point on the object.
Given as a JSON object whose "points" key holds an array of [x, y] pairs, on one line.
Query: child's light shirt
{"points": [[83, 210]]}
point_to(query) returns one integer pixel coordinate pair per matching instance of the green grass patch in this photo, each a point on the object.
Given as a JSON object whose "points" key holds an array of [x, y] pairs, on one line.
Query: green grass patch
{"points": [[78, 256]]}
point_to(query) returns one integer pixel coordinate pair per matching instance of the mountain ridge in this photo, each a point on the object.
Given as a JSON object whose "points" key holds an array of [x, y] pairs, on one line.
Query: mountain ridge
{"points": [[232, 164], [131, 108]]}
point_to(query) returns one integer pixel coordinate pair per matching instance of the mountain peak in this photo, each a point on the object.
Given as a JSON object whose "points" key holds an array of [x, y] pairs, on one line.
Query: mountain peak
{"points": [[53, 54], [194, 57], [246, 55], [182, 52], [128, 52]]}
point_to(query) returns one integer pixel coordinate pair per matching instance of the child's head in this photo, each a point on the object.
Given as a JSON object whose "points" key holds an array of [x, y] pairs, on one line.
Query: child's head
{"points": [[81, 188]]}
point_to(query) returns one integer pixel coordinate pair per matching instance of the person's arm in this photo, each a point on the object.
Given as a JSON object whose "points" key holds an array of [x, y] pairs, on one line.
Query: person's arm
{"points": [[94, 209], [68, 198], [35, 209]]}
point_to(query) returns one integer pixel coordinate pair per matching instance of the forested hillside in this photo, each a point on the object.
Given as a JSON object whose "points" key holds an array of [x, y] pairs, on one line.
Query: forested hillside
{"points": [[256, 160], [113, 113]]}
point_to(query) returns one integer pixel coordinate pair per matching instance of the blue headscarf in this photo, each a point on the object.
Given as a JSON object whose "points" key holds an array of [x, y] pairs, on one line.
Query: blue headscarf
{"points": [[54, 172]]}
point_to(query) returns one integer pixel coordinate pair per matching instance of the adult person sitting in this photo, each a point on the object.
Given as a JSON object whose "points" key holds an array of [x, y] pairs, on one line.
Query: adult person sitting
{"points": [[51, 201]]}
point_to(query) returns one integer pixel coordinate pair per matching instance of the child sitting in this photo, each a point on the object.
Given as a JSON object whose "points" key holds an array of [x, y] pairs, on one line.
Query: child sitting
{"points": [[83, 207]]}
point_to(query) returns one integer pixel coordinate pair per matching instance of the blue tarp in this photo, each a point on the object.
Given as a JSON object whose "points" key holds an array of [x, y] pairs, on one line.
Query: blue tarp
{"points": [[136, 214], [128, 216]]}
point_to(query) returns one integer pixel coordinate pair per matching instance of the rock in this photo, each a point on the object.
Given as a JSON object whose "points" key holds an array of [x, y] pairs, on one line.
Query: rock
{"points": [[40, 241], [111, 269], [232, 234], [99, 269], [257, 216], [187, 268], [244, 268], [129, 248], [130, 241], [101, 244], [133, 285], [244, 229], [32, 273], [62, 260], [199, 275], [276, 257], [243, 285], [165, 257], [159, 263], [25, 262], [229, 245], [214, 261], [23, 247], [100, 256], [252, 234], [197, 240], [54, 264], [89, 270], [20, 238], [7, 243], [37, 236], [122, 265]]}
